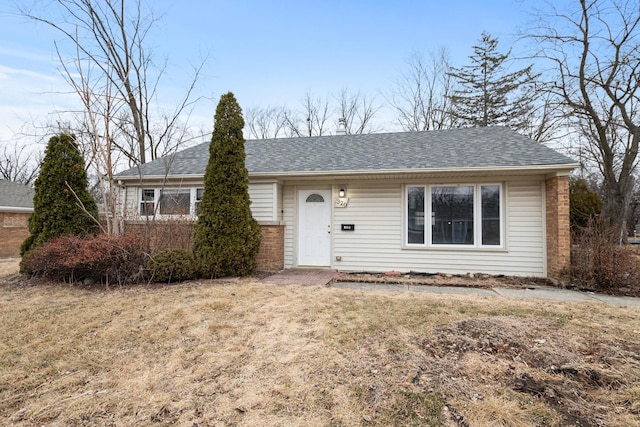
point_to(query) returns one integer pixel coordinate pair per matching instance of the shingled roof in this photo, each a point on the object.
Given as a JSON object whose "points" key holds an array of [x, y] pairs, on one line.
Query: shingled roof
{"points": [[457, 149], [15, 195]]}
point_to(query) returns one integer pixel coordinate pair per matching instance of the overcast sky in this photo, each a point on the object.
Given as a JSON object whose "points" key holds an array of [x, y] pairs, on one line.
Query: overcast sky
{"points": [[266, 52]]}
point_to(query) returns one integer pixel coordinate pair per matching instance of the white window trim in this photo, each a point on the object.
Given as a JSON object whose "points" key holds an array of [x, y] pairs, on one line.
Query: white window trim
{"points": [[141, 201], [194, 200], [477, 217], [157, 191]]}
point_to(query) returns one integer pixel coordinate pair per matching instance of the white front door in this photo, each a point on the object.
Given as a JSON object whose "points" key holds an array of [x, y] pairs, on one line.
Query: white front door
{"points": [[314, 227]]}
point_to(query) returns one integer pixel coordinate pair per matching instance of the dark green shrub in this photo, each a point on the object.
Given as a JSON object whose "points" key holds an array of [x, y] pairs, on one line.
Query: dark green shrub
{"points": [[226, 237], [172, 265], [62, 204], [585, 204], [103, 258]]}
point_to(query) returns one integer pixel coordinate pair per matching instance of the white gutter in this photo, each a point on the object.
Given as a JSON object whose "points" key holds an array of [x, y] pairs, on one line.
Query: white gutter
{"points": [[532, 168], [167, 177], [15, 209]]}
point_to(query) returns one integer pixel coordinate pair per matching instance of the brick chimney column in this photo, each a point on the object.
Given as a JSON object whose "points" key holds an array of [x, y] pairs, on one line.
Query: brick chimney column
{"points": [[558, 228]]}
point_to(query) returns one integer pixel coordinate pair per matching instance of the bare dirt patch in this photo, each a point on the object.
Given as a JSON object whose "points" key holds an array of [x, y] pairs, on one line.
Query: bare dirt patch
{"points": [[478, 281], [243, 353], [441, 279]]}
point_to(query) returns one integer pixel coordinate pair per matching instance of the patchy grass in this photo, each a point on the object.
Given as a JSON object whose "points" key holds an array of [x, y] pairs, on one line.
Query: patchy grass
{"points": [[242, 353]]}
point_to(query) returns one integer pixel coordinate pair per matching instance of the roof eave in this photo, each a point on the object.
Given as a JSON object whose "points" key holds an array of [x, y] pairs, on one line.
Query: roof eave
{"points": [[158, 177], [16, 209], [564, 168]]}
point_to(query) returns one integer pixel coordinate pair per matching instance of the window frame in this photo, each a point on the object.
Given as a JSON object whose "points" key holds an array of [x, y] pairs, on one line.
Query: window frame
{"points": [[142, 202], [477, 217], [169, 192], [196, 200], [193, 201]]}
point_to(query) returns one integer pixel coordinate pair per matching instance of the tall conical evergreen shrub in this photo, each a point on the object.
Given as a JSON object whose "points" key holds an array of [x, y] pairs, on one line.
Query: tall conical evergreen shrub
{"points": [[61, 203], [227, 237]]}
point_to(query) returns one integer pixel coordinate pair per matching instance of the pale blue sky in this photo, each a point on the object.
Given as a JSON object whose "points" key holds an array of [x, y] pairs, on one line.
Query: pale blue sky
{"points": [[266, 52]]}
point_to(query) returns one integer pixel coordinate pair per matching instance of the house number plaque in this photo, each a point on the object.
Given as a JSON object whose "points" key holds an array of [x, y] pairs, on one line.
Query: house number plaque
{"points": [[342, 202]]}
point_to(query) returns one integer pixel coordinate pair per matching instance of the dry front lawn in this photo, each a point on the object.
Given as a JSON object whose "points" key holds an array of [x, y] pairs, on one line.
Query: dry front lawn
{"points": [[9, 266], [247, 354]]}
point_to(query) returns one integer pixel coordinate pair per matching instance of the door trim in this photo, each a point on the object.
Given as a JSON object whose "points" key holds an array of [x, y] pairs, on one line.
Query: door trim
{"points": [[301, 193]]}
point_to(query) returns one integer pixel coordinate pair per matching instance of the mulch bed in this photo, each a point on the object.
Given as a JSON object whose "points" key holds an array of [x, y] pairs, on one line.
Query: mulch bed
{"points": [[485, 281]]}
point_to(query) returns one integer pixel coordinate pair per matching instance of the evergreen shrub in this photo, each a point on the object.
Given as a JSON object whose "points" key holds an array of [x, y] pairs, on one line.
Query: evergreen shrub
{"points": [[585, 205], [62, 204], [226, 237], [172, 265]]}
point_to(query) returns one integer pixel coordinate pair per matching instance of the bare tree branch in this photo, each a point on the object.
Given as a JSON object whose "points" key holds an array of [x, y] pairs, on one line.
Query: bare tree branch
{"points": [[19, 164], [358, 111], [311, 120], [116, 79], [596, 62], [266, 123], [110, 36], [421, 97]]}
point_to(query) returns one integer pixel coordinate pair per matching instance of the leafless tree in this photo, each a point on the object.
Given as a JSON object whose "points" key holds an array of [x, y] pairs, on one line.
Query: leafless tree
{"points": [[358, 112], [108, 41], [421, 96], [546, 119], [315, 116], [595, 52], [106, 62], [19, 164], [266, 123], [311, 120]]}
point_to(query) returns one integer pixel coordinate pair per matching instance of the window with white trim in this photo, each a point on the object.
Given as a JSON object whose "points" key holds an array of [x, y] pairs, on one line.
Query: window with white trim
{"points": [[175, 201], [468, 215], [170, 201], [148, 202], [199, 193], [491, 215]]}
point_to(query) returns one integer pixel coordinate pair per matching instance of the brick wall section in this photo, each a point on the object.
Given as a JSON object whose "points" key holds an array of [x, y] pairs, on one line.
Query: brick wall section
{"points": [[14, 229], [179, 235], [271, 254], [558, 230]]}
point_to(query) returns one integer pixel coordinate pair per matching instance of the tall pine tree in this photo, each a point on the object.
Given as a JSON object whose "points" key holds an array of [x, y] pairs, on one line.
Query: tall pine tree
{"points": [[227, 237], [487, 94], [61, 203]]}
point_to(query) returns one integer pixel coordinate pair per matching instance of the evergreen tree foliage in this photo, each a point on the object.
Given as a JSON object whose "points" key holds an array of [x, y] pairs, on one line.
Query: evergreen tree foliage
{"points": [[227, 237], [61, 203], [585, 204], [487, 94]]}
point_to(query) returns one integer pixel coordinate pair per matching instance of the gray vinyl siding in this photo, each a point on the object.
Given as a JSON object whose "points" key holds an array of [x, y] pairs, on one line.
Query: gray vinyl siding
{"points": [[377, 211]]}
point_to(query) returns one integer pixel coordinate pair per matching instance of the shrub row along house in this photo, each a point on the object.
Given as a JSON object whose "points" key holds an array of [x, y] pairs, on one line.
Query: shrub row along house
{"points": [[485, 200]]}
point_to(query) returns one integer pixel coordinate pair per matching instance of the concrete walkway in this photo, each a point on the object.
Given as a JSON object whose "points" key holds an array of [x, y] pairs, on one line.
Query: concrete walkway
{"points": [[302, 276], [538, 292], [320, 277]]}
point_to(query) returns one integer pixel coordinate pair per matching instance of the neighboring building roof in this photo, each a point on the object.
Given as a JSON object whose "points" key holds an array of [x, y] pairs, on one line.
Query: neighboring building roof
{"points": [[15, 195], [466, 148]]}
